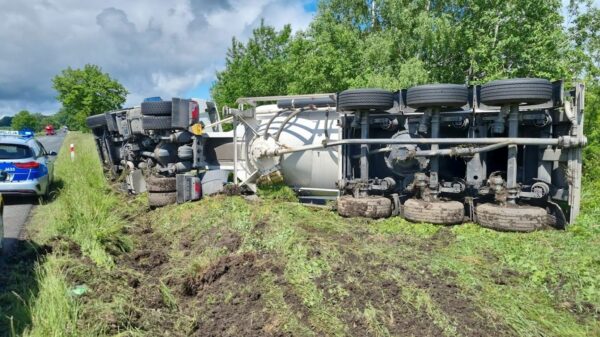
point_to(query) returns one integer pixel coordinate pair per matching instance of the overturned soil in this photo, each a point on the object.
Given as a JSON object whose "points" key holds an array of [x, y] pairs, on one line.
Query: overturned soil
{"points": [[215, 284]]}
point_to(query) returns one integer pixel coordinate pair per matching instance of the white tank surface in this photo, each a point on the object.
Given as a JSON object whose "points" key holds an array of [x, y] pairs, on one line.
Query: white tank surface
{"points": [[312, 172]]}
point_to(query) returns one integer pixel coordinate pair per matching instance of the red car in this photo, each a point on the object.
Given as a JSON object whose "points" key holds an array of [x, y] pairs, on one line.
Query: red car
{"points": [[49, 130]]}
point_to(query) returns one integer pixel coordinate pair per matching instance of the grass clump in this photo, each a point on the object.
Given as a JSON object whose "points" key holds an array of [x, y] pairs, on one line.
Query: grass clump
{"points": [[277, 192], [53, 313]]}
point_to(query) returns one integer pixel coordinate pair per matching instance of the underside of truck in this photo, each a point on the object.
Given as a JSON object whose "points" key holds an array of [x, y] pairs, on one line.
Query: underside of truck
{"points": [[506, 154]]}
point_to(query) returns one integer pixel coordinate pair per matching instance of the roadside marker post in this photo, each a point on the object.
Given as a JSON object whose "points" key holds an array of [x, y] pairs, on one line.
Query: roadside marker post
{"points": [[72, 148]]}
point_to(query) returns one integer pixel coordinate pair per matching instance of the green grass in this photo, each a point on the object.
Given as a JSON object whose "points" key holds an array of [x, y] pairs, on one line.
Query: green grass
{"points": [[53, 312], [85, 208]]}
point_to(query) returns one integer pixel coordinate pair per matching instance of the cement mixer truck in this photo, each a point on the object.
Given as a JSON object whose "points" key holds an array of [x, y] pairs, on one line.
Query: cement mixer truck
{"points": [[506, 154]]}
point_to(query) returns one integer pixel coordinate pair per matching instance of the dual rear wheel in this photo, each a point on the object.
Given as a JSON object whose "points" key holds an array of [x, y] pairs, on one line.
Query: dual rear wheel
{"points": [[162, 191], [508, 218]]}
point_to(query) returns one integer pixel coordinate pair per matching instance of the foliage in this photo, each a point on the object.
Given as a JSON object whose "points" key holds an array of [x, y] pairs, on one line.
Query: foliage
{"points": [[34, 121], [24, 119], [394, 44], [254, 68], [584, 31], [85, 92]]}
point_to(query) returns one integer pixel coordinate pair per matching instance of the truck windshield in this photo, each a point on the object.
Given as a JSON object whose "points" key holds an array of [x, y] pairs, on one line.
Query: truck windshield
{"points": [[15, 151]]}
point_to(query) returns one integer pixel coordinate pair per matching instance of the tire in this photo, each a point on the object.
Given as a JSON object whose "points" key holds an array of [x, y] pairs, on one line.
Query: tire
{"points": [[512, 218], [367, 207], [164, 108], [435, 212], [96, 121], [161, 199], [156, 123], [163, 184], [365, 99], [437, 95], [516, 91]]}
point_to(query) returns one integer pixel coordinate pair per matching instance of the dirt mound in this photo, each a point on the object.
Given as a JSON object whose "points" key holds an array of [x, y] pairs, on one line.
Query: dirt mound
{"points": [[365, 289], [241, 267], [230, 296]]}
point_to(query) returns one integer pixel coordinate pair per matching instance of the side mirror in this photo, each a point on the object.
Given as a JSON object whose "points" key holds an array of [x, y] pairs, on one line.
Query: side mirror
{"points": [[52, 153]]}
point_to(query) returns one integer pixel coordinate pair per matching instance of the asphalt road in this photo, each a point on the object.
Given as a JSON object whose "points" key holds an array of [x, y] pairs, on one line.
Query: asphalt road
{"points": [[17, 209]]}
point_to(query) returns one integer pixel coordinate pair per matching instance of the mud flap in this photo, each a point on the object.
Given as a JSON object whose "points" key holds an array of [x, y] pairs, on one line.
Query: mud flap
{"points": [[136, 183], [559, 221], [213, 181]]}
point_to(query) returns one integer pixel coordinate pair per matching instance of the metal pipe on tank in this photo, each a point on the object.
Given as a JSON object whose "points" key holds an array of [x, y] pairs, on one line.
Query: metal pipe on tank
{"points": [[545, 167], [235, 151], [483, 141], [277, 114], [364, 148], [513, 151], [284, 123], [461, 151], [435, 161], [455, 151]]}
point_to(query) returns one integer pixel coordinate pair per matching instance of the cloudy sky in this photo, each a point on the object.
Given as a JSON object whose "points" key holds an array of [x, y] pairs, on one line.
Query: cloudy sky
{"points": [[153, 47]]}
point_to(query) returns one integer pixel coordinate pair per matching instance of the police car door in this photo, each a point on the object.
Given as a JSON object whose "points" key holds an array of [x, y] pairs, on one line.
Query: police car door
{"points": [[47, 160]]}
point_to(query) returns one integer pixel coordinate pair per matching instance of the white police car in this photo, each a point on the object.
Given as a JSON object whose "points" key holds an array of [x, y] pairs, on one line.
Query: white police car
{"points": [[26, 168]]}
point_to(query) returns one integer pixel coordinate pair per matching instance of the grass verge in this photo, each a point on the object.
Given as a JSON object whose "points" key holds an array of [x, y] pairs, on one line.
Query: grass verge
{"points": [[227, 266]]}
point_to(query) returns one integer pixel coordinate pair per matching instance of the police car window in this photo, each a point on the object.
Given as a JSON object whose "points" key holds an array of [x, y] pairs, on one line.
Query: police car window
{"points": [[42, 149], [15, 151], [35, 148]]}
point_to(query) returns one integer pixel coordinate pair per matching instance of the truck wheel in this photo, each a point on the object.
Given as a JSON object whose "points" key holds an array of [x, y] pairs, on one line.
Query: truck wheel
{"points": [[164, 108], [512, 218], [161, 199], [368, 207], [437, 95], [156, 184], [365, 99], [435, 212], [516, 91], [156, 123], [96, 121]]}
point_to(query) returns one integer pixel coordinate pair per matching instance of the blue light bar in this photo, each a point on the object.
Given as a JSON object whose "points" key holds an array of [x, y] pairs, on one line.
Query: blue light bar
{"points": [[26, 133]]}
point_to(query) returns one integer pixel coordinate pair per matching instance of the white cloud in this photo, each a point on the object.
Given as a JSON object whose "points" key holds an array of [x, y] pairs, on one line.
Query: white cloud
{"points": [[153, 47]]}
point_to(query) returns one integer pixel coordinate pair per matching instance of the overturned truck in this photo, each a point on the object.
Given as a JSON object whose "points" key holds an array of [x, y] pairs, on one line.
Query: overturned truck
{"points": [[506, 154]]}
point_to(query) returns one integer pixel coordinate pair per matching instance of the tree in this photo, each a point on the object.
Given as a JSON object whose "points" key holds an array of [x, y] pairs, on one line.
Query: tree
{"points": [[24, 119], [585, 35], [256, 68], [400, 43], [85, 92]]}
